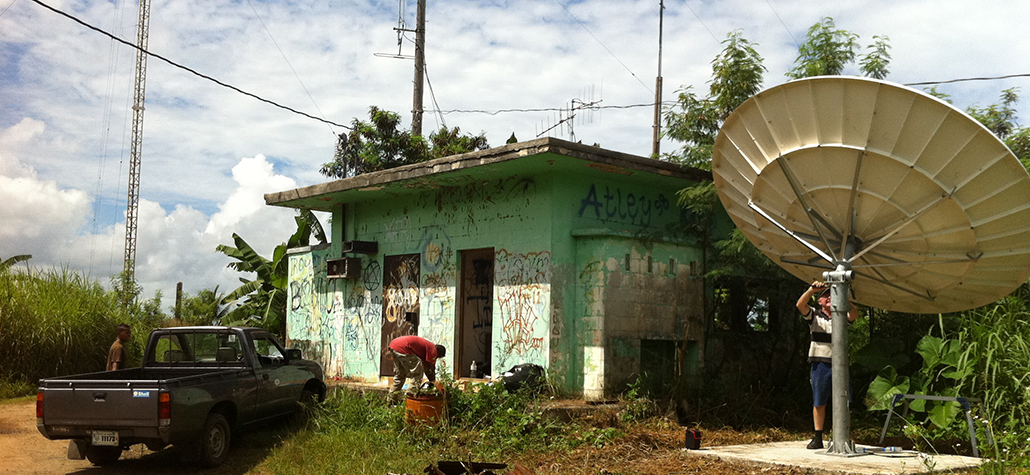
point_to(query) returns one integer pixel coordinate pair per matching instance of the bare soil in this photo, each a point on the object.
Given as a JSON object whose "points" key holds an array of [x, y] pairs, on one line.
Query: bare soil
{"points": [[23, 450]]}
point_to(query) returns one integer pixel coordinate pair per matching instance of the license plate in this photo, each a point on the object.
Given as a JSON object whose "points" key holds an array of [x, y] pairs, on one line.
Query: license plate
{"points": [[105, 438]]}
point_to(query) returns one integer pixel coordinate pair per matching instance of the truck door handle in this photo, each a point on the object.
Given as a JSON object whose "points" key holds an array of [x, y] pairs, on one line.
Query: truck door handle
{"points": [[99, 397]]}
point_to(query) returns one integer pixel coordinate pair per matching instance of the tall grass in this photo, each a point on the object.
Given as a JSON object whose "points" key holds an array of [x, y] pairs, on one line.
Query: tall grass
{"points": [[55, 322], [998, 337]]}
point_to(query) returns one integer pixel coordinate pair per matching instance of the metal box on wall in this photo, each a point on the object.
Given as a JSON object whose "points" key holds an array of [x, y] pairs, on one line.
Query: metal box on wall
{"points": [[360, 247], [343, 268]]}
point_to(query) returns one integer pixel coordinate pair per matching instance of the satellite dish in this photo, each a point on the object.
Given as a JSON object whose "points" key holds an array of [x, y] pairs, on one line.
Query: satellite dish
{"points": [[885, 188], [935, 209]]}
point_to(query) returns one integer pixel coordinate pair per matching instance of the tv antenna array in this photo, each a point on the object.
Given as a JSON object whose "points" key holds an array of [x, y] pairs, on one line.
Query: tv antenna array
{"points": [[565, 118]]}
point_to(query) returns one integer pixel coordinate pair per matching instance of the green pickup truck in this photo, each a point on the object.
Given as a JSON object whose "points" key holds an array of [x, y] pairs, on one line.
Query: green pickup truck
{"points": [[195, 387]]}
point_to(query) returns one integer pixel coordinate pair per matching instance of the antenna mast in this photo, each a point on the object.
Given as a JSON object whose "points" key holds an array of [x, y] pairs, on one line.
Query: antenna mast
{"points": [[656, 143], [139, 92], [419, 57], [420, 66]]}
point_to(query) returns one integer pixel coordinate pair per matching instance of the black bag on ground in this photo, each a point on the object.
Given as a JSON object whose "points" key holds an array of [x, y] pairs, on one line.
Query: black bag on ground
{"points": [[526, 374]]}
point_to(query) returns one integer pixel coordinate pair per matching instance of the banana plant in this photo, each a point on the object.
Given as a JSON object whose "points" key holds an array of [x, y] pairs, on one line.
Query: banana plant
{"points": [[261, 301]]}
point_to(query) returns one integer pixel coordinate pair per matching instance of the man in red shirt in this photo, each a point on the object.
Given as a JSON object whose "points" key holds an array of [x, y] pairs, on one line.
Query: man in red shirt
{"points": [[413, 356]]}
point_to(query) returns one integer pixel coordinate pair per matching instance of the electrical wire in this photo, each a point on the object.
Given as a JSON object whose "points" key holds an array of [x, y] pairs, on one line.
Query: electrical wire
{"points": [[795, 40], [605, 47], [276, 43], [187, 69], [545, 109], [432, 95], [702, 23], [949, 81], [8, 8]]}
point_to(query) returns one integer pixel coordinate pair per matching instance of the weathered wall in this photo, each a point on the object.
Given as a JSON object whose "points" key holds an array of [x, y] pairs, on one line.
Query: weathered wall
{"points": [[509, 214], [563, 296], [631, 278]]}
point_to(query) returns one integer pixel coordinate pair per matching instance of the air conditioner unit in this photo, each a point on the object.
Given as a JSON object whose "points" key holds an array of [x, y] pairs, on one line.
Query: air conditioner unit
{"points": [[343, 268], [361, 247]]}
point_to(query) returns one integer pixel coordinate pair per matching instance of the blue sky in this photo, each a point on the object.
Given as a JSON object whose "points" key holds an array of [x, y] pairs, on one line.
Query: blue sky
{"points": [[209, 154]]}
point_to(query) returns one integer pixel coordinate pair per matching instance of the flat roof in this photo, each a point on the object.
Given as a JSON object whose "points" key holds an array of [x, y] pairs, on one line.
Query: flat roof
{"points": [[531, 157]]}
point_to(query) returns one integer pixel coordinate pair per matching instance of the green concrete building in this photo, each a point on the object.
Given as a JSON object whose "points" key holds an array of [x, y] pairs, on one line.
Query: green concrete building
{"points": [[564, 255]]}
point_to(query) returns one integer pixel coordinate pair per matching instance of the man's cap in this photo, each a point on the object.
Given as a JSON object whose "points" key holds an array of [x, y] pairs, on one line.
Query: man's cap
{"points": [[826, 293]]}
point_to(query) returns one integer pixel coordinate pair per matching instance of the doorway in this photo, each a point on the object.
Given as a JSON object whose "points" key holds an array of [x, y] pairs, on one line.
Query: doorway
{"points": [[475, 312], [400, 303]]}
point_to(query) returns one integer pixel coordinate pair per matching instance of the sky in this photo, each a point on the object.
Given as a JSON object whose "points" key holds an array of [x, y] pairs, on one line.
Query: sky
{"points": [[497, 67]]}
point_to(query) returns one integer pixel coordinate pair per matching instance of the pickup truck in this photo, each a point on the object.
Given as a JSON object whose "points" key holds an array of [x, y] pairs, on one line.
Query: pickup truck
{"points": [[195, 387]]}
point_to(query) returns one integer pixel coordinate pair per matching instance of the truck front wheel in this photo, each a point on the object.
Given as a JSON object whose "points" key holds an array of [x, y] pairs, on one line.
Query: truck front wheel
{"points": [[103, 455], [214, 443]]}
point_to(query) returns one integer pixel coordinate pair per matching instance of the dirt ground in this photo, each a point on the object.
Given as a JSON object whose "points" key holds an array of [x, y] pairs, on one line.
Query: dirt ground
{"points": [[23, 450]]}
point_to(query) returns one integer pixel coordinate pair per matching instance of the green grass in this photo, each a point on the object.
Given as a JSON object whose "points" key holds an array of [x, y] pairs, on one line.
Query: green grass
{"points": [[360, 433]]}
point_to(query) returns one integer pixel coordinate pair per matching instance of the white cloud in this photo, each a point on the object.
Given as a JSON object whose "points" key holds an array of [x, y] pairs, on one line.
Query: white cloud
{"points": [[49, 222], [36, 214]]}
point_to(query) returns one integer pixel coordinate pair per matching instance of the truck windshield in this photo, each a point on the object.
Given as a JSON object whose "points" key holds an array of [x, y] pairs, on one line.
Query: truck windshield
{"points": [[197, 348]]}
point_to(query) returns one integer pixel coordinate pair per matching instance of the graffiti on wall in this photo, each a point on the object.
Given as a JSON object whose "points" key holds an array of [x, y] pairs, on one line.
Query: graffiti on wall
{"points": [[313, 305], [365, 313], [624, 207], [522, 293], [437, 285], [471, 204]]}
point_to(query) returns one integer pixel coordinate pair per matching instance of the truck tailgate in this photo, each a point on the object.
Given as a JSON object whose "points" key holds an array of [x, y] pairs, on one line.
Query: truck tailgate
{"points": [[96, 404]]}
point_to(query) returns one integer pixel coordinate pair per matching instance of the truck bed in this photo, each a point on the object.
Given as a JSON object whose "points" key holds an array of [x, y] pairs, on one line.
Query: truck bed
{"points": [[124, 398]]}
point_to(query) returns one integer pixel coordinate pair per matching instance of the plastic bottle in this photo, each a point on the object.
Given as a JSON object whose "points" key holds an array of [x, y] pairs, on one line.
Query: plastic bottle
{"points": [[474, 368]]}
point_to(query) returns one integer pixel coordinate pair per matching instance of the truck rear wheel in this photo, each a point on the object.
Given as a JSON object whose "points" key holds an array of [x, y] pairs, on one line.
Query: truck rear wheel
{"points": [[103, 455], [215, 440]]}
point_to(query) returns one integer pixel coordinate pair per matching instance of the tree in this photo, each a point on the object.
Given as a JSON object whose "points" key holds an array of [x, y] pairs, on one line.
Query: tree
{"points": [[875, 63], [736, 75], [205, 308], [1000, 119], [826, 51], [262, 301], [380, 145]]}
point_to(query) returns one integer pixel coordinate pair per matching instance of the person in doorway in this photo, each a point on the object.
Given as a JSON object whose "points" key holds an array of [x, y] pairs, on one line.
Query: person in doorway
{"points": [[413, 356], [117, 357], [820, 352]]}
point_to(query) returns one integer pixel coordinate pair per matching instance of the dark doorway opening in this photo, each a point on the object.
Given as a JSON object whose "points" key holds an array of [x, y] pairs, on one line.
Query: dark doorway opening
{"points": [[475, 313]]}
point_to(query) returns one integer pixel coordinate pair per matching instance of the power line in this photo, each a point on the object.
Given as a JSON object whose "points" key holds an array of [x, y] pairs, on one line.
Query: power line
{"points": [[544, 109], [949, 81], [8, 7], [276, 43], [184, 68], [702, 22], [795, 40], [603, 46]]}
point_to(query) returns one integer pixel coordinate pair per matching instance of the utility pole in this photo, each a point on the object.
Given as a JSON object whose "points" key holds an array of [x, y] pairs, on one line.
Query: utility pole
{"points": [[420, 66], [132, 203], [656, 142]]}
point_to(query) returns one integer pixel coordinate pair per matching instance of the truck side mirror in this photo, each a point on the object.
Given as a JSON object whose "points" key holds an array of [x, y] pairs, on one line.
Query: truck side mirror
{"points": [[293, 354]]}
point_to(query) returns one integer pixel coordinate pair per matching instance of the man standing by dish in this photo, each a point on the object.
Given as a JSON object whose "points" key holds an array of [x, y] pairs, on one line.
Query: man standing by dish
{"points": [[820, 352]]}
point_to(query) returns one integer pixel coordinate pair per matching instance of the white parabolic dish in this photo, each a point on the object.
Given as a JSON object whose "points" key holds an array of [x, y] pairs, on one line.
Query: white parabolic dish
{"points": [[938, 206]]}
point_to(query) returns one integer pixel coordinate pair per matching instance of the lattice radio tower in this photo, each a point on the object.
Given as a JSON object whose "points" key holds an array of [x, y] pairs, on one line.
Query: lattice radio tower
{"points": [[139, 93]]}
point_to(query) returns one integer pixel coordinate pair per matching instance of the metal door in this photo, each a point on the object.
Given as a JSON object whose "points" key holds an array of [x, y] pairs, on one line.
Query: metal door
{"points": [[401, 277]]}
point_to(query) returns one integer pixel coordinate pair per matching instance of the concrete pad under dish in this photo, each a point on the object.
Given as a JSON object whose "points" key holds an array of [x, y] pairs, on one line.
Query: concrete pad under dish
{"points": [[795, 454]]}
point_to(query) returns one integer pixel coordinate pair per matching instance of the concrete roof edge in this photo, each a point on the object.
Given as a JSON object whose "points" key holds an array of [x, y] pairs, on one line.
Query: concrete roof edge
{"points": [[493, 155]]}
